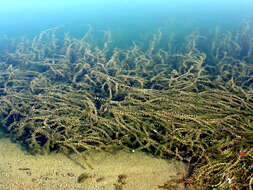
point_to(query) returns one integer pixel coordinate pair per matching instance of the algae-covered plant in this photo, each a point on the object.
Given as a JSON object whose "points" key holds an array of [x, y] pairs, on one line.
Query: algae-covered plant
{"points": [[192, 101]]}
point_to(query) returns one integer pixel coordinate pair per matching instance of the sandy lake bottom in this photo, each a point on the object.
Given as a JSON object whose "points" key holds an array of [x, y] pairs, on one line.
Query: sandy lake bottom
{"points": [[121, 170]]}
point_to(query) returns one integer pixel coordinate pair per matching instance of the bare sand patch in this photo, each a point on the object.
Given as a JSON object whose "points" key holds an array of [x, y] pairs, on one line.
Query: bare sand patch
{"points": [[121, 170]]}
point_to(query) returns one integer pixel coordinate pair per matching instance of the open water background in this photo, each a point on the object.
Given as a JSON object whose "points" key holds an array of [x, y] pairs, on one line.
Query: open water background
{"points": [[130, 19]]}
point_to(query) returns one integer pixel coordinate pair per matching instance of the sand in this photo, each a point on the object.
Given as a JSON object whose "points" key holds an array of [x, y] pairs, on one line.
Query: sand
{"points": [[121, 170]]}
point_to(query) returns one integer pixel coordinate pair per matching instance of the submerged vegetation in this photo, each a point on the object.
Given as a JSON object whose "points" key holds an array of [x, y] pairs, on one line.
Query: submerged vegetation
{"points": [[190, 99]]}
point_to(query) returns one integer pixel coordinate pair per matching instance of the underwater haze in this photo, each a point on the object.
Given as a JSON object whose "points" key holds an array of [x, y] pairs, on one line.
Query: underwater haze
{"points": [[28, 17]]}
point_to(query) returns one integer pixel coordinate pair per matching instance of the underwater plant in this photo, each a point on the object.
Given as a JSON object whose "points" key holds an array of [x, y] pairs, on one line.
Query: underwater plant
{"points": [[193, 103]]}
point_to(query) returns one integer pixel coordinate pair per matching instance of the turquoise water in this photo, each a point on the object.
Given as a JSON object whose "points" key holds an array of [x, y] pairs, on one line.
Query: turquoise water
{"points": [[130, 18]]}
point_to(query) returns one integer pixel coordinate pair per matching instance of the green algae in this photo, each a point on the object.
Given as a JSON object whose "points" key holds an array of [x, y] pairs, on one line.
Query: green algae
{"points": [[194, 103]]}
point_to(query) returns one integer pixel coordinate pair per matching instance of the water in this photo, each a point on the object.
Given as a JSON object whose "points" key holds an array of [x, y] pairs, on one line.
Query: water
{"points": [[131, 17], [170, 79], [130, 20]]}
